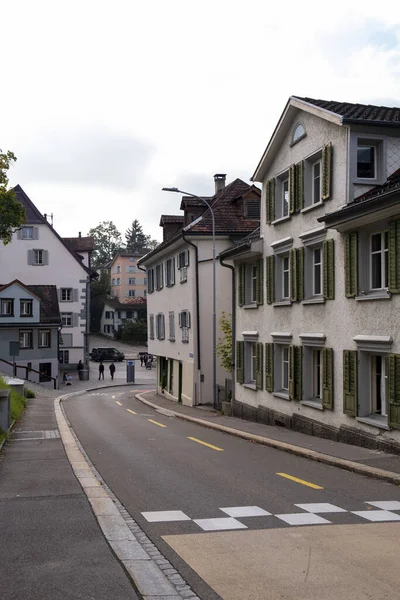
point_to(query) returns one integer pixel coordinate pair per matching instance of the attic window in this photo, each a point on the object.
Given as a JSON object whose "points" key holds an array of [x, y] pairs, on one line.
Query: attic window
{"points": [[253, 209], [298, 133]]}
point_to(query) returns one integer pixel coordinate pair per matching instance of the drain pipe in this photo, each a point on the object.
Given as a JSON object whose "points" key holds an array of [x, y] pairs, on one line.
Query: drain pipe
{"points": [[221, 260], [196, 251]]}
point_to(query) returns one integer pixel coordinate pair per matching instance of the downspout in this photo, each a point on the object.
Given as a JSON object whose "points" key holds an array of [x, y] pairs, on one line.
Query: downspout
{"points": [[196, 251], [221, 260]]}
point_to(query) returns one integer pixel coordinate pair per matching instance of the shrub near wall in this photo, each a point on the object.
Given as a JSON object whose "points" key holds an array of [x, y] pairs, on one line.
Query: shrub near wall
{"points": [[17, 402]]}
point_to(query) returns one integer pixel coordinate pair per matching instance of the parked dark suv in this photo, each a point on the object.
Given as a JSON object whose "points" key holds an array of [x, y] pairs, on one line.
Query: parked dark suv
{"points": [[109, 354]]}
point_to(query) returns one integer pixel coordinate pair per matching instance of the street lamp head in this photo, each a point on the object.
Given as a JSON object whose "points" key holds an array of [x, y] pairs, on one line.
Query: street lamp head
{"points": [[170, 189]]}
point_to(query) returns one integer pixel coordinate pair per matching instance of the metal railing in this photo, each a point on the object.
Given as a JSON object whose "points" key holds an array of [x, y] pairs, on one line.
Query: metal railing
{"points": [[43, 378]]}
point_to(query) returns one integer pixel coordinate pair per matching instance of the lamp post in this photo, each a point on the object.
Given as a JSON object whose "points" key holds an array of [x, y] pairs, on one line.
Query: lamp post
{"points": [[214, 296]]}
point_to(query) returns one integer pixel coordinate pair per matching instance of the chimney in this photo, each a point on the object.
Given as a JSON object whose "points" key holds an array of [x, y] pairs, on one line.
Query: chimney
{"points": [[79, 234], [219, 180]]}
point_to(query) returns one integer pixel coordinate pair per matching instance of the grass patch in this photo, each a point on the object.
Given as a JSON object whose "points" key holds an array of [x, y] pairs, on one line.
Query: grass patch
{"points": [[17, 401], [29, 394]]}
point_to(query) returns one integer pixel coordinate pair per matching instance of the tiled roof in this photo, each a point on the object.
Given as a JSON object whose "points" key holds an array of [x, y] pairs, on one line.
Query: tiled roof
{"points": [[122, 304], [391, 184], [171, 219], [47, 294], [359, 113], [190, 201], [80, 244], [246, 241]]}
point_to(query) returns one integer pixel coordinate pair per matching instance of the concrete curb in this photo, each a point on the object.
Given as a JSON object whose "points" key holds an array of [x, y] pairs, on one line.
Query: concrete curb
{"points": [[333, 461], [151, 573], [8, 433]]}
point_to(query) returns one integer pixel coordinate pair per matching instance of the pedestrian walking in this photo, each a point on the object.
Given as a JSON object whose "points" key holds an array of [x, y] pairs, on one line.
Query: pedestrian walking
{"points": [[112, 370], [101, 371]]}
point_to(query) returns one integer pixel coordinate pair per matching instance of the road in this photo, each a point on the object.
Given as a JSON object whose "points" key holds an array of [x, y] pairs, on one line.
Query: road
{"points": [[236, 532]]}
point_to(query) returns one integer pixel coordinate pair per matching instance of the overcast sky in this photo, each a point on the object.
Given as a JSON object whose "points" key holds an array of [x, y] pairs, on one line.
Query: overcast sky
{"points": [[104, 103]]}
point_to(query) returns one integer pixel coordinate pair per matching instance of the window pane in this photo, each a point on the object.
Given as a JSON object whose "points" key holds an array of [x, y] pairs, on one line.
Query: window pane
{"points": [[285, 370], [285, 277], [376, 242], [317, 272], [285, 198], [376, 271], [316, 184], [386, 236], [366, 162], [386, 279]]}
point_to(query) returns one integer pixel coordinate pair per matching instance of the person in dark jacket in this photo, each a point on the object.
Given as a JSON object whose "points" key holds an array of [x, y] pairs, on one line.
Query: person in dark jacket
{"points": [[101, 371], [80, 366], [112, 370]]}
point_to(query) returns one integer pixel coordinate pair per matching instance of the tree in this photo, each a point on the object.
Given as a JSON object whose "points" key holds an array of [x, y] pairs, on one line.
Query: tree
{"points": [[224, 345], [135, 332], [99, 291], [136, 240], [12, 212], [107, 242]]}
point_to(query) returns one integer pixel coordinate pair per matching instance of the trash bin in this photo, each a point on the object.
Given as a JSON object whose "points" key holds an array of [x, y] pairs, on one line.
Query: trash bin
{"points": [[4, 409], [84, 375], [130, 371]]}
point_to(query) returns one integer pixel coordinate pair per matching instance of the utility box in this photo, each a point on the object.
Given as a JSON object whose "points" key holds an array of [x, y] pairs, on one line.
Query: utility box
{"points": [[4, 409], [130, 371]]}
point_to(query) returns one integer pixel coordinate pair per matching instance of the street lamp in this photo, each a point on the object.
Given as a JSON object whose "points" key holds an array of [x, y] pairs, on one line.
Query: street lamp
{"points": [[214, 316]]}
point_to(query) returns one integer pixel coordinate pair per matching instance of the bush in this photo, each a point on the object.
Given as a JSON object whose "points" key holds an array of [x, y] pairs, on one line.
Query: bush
{"points": [[135, 332], [17, 401], [29, 394]]}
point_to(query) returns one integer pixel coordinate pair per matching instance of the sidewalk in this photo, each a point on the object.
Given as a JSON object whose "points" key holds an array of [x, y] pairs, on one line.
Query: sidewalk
{"points": [[50, 543], [353, 458]]}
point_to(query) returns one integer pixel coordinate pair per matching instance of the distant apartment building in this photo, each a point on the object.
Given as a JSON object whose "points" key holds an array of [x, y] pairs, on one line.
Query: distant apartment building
{"points": [[127, 280]]}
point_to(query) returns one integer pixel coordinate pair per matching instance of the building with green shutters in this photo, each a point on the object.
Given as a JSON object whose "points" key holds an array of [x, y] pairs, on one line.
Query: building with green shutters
{"points": [[317, 334]]}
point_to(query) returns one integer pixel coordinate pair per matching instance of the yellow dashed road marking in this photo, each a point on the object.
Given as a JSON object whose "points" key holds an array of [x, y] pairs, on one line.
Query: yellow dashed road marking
{"points": [[156, 423], [131, 411], [119, 403], [205, 444], [297, 480]]}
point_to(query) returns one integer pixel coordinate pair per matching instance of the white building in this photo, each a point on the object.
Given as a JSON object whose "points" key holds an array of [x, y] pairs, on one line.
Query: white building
{"points": [[180, 285], [116, 314], [318, 345], [37, 255]]}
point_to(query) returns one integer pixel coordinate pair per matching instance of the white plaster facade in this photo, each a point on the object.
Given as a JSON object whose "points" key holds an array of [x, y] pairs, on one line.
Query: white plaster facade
{"points": [[115, 314], [333, 323]]}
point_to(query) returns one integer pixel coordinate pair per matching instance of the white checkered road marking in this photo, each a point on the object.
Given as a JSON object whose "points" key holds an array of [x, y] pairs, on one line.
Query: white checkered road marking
{"points": [[219, 524], [245, 511], [395, 505], [376, 516], [303, 519], [164, 516], [318, 508]]}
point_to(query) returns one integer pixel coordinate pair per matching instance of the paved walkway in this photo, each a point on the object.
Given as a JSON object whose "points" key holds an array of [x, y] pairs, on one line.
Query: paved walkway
{"points": [[338, 450]]}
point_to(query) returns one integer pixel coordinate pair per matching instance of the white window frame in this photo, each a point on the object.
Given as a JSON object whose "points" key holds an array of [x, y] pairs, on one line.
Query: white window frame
{"points": [[62, 355], [131, 293], [170, 272], [384, 252], [9, 304], [24, 231], [315, 201], [159, 277], [250, 362], [285, 365], [285, 274], [44, 334], [317, 265], [160, 326], [22, 339], [67, 295], [131, 280], [67, 319], [38, 257], [24, 303], [171, 322], [285, 201]]}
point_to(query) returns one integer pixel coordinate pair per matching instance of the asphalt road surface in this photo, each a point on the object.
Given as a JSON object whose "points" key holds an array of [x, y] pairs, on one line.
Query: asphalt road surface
{"points": [[245, 518]]}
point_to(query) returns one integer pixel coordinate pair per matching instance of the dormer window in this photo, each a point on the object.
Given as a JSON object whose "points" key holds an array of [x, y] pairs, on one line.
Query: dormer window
{"points": [[253, 209], [298, 133], [366, 161]]}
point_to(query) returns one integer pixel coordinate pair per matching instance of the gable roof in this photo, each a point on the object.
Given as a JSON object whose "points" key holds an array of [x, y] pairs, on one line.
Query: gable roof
{"points": [[339, 113], [34, 217], [166, 219], [80, 244], [47, 295]]}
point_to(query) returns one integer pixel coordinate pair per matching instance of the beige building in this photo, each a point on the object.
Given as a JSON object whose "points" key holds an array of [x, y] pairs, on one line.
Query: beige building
{"points": [[317, 326], [180, 285], [126, 279]]}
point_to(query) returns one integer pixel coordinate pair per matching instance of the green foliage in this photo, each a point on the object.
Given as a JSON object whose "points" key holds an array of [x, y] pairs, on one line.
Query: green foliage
{"points": [[107, 241], [224, 345], [99, 291], [135, 332], [12, 212], [29, 394], [17, 401], [136, 240]]}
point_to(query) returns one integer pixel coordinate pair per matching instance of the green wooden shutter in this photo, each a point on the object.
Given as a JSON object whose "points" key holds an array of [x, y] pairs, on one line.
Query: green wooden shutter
{"points": [[299, 203], [300, 273], [292, 189], [327, 378], [351, 264], [240, 362], [270, 200], [291, 372], [270, 276], [260, 282], [293, 274], [326, 171], [394, 257], [328, 265], [241, 283], [269, 367], [259, 366], [350, 369], [394, 391], [298, 372]]}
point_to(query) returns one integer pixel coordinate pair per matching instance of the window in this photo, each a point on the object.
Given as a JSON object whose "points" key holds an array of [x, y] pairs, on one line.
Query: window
{"points": [[108, 329], [109, 314], [285, 368], [313, 371], [151, 327], [183, 263], [25, 308], [25, 339], [366, 161], [131, 281], [379, 260], [7, 307], [131, 293], [298, 133], [170, 272], [27, 233], [66, 319], [317, 373], [44, 338], [250, 283], [282, 278], [144, 281], [66, 295], [118, 282], [171, 319], [317, 271], [131, 259], [113, 281], [285, 278], [184, 324], [379, 379], [118, 269], [316, 182], [285, 198], [131, 269], [251, 360], [160, 326], [38, 257], [150, 281], [278, 365], [63, 357], [253, 209], [159, 277], [45, 372]]}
